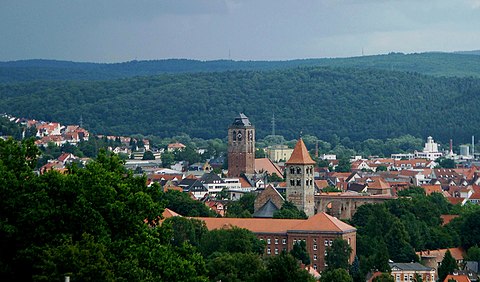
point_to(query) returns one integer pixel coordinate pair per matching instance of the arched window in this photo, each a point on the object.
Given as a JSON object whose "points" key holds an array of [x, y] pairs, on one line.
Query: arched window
{"points": [[292, 170], [292, 182], [299, 170], [299, 182], [234, 135]]}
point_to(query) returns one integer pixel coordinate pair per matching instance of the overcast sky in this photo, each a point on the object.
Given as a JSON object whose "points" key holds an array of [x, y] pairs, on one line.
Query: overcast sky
{"points": [[123, 30]]}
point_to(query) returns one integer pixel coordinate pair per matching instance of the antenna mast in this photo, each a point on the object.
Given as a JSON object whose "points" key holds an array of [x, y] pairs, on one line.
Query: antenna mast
{"points": [[273, 124]]}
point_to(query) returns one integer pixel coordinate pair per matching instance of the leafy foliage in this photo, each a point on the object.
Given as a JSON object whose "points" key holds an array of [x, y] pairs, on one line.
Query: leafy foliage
{"points": [[338, 254], [91, 223], [299, 251], [122, 107], [289, 210], [448, 265]]}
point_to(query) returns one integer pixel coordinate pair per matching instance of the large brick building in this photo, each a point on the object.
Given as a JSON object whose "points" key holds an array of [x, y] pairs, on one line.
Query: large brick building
{"points": [[318, 232]]}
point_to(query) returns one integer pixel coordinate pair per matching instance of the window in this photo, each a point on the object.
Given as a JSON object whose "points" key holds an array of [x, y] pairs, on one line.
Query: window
{"points": [[330, 243], [234, 135], [326, 242], [276, 241], [292, 182], [299, 170], [397, 277], [314, 257], [276, 251], [292, 170], [349, 241], [299, 182], [268, 241], [315, 266], [294, 242], [284, 241], [268, 251], [325, 253], [314, 247]]}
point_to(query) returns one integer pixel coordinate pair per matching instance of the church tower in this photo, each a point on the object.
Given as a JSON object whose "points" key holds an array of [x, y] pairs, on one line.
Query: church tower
{"points": [[241, 147], [300, 176]]}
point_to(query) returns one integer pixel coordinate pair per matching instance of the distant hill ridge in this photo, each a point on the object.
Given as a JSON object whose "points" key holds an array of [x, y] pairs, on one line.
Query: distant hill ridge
{"points": [[352, 103], [432, 63]]}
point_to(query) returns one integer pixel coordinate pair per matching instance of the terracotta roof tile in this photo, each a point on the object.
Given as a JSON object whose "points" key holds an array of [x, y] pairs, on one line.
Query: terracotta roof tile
{"points": [[300, 154], [318, 222], [458, 278], [265, 164]]}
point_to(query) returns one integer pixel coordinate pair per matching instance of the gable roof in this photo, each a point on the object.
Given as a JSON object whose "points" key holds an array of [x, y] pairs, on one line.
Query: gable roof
{"points": [[458, 278], [409, 266], [265, 164], [300, 154], [267, 210], [318, 222]]}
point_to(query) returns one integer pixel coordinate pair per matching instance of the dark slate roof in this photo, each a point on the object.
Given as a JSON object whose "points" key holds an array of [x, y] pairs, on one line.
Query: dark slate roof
{"points": [[211, 177], [267, 210], [192, 185], [241, 120], [357, 187], [409, 266]]}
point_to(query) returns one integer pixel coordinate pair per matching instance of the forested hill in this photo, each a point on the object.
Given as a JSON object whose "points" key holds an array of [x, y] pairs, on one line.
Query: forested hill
{"points": [[354, 103], [438, 64]]}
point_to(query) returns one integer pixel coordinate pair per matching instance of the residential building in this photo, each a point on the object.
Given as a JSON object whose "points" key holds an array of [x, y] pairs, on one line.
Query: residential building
{"points": [[278, 153], [402, 272]]}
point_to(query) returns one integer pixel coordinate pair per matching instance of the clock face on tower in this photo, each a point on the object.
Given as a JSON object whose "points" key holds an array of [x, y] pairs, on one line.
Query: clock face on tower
{"points": [[239, 136]]}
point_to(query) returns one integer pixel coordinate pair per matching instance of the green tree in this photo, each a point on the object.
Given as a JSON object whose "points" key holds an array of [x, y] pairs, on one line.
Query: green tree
{"points": [[235, 267], [285, 267], [148, 155], [289, 210], [473, 253], [260, 153], [183, 204], [446, 163], [184, 230], [299, 251], [447, 266], [344, 165], [384, 277], [336, 275], [338, 255], [234, 240], [168, 159]]}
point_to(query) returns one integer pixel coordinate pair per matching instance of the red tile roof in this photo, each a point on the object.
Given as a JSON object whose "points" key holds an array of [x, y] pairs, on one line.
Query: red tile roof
{"points": [[318, 222], [447, 218], [300, 154], [458, 278], [265, 164]]}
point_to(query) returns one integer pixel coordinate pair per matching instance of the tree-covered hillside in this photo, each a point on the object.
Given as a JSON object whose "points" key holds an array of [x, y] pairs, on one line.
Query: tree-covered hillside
{"points": [[438, 64], [358, 104]]}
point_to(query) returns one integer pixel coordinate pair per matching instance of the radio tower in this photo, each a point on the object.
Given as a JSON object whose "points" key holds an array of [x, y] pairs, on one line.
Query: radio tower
{"points": [[273, 124]]}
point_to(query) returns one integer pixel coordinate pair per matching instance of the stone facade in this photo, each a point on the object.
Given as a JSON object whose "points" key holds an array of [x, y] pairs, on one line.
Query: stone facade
{"points": [[300, 179]]}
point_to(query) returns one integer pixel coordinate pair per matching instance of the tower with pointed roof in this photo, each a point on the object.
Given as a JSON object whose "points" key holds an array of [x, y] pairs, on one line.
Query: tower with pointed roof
{"points": [[300, 178], [241, 147]]}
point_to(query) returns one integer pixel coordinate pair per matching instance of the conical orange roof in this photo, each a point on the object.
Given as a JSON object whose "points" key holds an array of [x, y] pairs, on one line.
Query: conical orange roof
{"points": [[300, 154]]}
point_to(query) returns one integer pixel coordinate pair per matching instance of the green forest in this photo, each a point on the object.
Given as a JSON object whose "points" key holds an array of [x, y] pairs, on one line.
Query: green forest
{"points": [[351, 103], [432, 63]]}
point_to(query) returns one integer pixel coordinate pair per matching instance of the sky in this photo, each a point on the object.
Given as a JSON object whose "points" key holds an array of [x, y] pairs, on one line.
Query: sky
{"points": [[124, 30]]}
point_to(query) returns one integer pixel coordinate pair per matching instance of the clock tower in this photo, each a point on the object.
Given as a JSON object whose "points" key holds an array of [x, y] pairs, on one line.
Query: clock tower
{"points": [[241, 147]]}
